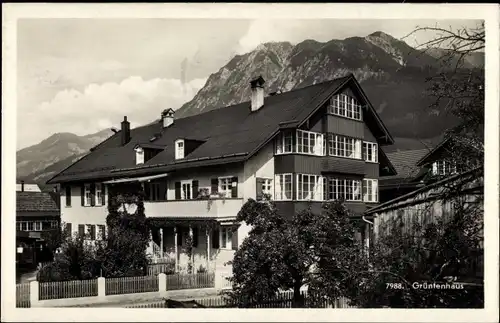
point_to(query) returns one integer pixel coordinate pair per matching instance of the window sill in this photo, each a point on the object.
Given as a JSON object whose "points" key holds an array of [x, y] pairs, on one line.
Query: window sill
{"points": [[295, 153], [371, 162], [349, 158], [344, 117]]}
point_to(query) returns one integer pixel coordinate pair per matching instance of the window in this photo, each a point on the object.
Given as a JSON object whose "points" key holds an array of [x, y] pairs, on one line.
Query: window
{"points": [[370, 190], [225, 186], [186, 190], [370, 151], [98, 194], [38, 226], [179, 149], [284, 143], [444, 167], [343, 189], [309, 187], [342, 146], [310, 143], [345, 106], [264, 186], [226, 237], [68, 195], [88, 195], [155, 192], [19, 226], [283, 187]]}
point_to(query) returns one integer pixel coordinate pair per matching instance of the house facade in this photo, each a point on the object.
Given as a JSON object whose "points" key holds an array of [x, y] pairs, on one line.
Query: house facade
{"points": [[302, 147], [37, 214]]}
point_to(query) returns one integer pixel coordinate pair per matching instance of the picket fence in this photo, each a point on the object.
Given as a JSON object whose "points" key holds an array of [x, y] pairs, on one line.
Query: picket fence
{"points": [[23, 295], [281, 300], [111, 286]]}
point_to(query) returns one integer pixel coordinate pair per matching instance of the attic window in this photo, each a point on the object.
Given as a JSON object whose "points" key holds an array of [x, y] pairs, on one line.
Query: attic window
{"points": [[179, 149], [345, 106]]}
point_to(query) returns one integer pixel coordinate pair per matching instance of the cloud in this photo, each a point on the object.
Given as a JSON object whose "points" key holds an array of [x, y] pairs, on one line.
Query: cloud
{"points": [[100, 106]]}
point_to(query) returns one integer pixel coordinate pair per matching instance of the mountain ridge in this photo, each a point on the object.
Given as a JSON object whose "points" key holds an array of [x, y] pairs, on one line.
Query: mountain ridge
{"points": [[391, 72]]}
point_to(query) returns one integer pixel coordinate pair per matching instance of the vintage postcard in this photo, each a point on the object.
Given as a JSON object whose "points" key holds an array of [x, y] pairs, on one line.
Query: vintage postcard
{"points": [[331, 162]]}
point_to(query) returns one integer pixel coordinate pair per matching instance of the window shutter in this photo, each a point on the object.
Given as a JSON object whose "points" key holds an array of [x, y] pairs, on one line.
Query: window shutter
{"points": [[147, 191], [234, 187], [234, 239], [82, 194], [81, 230], [92, 194], [215, 239], [102, 231], [103, 194], [195, 237], [179, 235], [68, 195], [67, 228], [92, 232], [363, 151], [177, 190], [195, 189], [214, 185]]}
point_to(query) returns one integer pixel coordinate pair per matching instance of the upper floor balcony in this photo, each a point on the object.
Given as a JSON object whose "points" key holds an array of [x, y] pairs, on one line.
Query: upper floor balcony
{"points": [[212, 208]]}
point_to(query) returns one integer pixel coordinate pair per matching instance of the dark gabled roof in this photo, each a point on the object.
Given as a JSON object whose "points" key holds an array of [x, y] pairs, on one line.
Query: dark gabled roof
{"points": [[429, 157], [405, 163], [41, 202], [468, 176], [233, 132]]}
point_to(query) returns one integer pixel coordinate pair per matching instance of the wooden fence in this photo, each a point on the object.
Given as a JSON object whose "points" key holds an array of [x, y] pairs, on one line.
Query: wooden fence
{"points": [[131, 285], [23, 295], [190, 281], [281, 300], [110, 286], [68, 289]]}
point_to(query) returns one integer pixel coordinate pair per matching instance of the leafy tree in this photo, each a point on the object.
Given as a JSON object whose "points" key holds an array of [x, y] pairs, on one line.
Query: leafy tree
{"points": [[77, 260], [280, 254], [128, 233]]}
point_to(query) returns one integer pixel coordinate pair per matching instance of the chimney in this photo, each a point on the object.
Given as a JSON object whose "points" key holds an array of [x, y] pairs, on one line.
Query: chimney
{"points": [[22, 186], [167, 117], [125, 131], [257, 86]]}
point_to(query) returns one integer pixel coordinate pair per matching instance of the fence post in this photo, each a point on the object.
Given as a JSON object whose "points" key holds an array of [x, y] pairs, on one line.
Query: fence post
{"points": [[101, 287], [34, 293], [162, 283]]}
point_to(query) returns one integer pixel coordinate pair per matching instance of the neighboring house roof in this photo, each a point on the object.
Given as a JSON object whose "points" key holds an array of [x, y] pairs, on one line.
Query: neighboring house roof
{"points": [[466, 177], [405, 163], [37, 202], [430, 156], [232, 133]]}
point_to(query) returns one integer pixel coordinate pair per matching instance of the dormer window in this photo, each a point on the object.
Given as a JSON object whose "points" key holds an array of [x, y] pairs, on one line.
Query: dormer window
{"points": [[139, 155], [179, 149]]}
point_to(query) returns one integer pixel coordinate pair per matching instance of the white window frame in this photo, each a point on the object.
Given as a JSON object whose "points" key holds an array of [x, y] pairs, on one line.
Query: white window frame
{"points": [[345, 106], [190, 191], [342, 188], [266, 185], [87, 201], [98, 194], [179, 149], [443, 167], [373, 147], [225, 181], [281, 181], [338, 146], [370, 190], [226, 232], [37, 226], [314, 190], [282, 147], [305, 138]]}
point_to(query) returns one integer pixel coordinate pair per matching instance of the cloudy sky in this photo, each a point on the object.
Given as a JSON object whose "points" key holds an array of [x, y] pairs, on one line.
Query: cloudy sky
{"points": [[84, 75]]}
